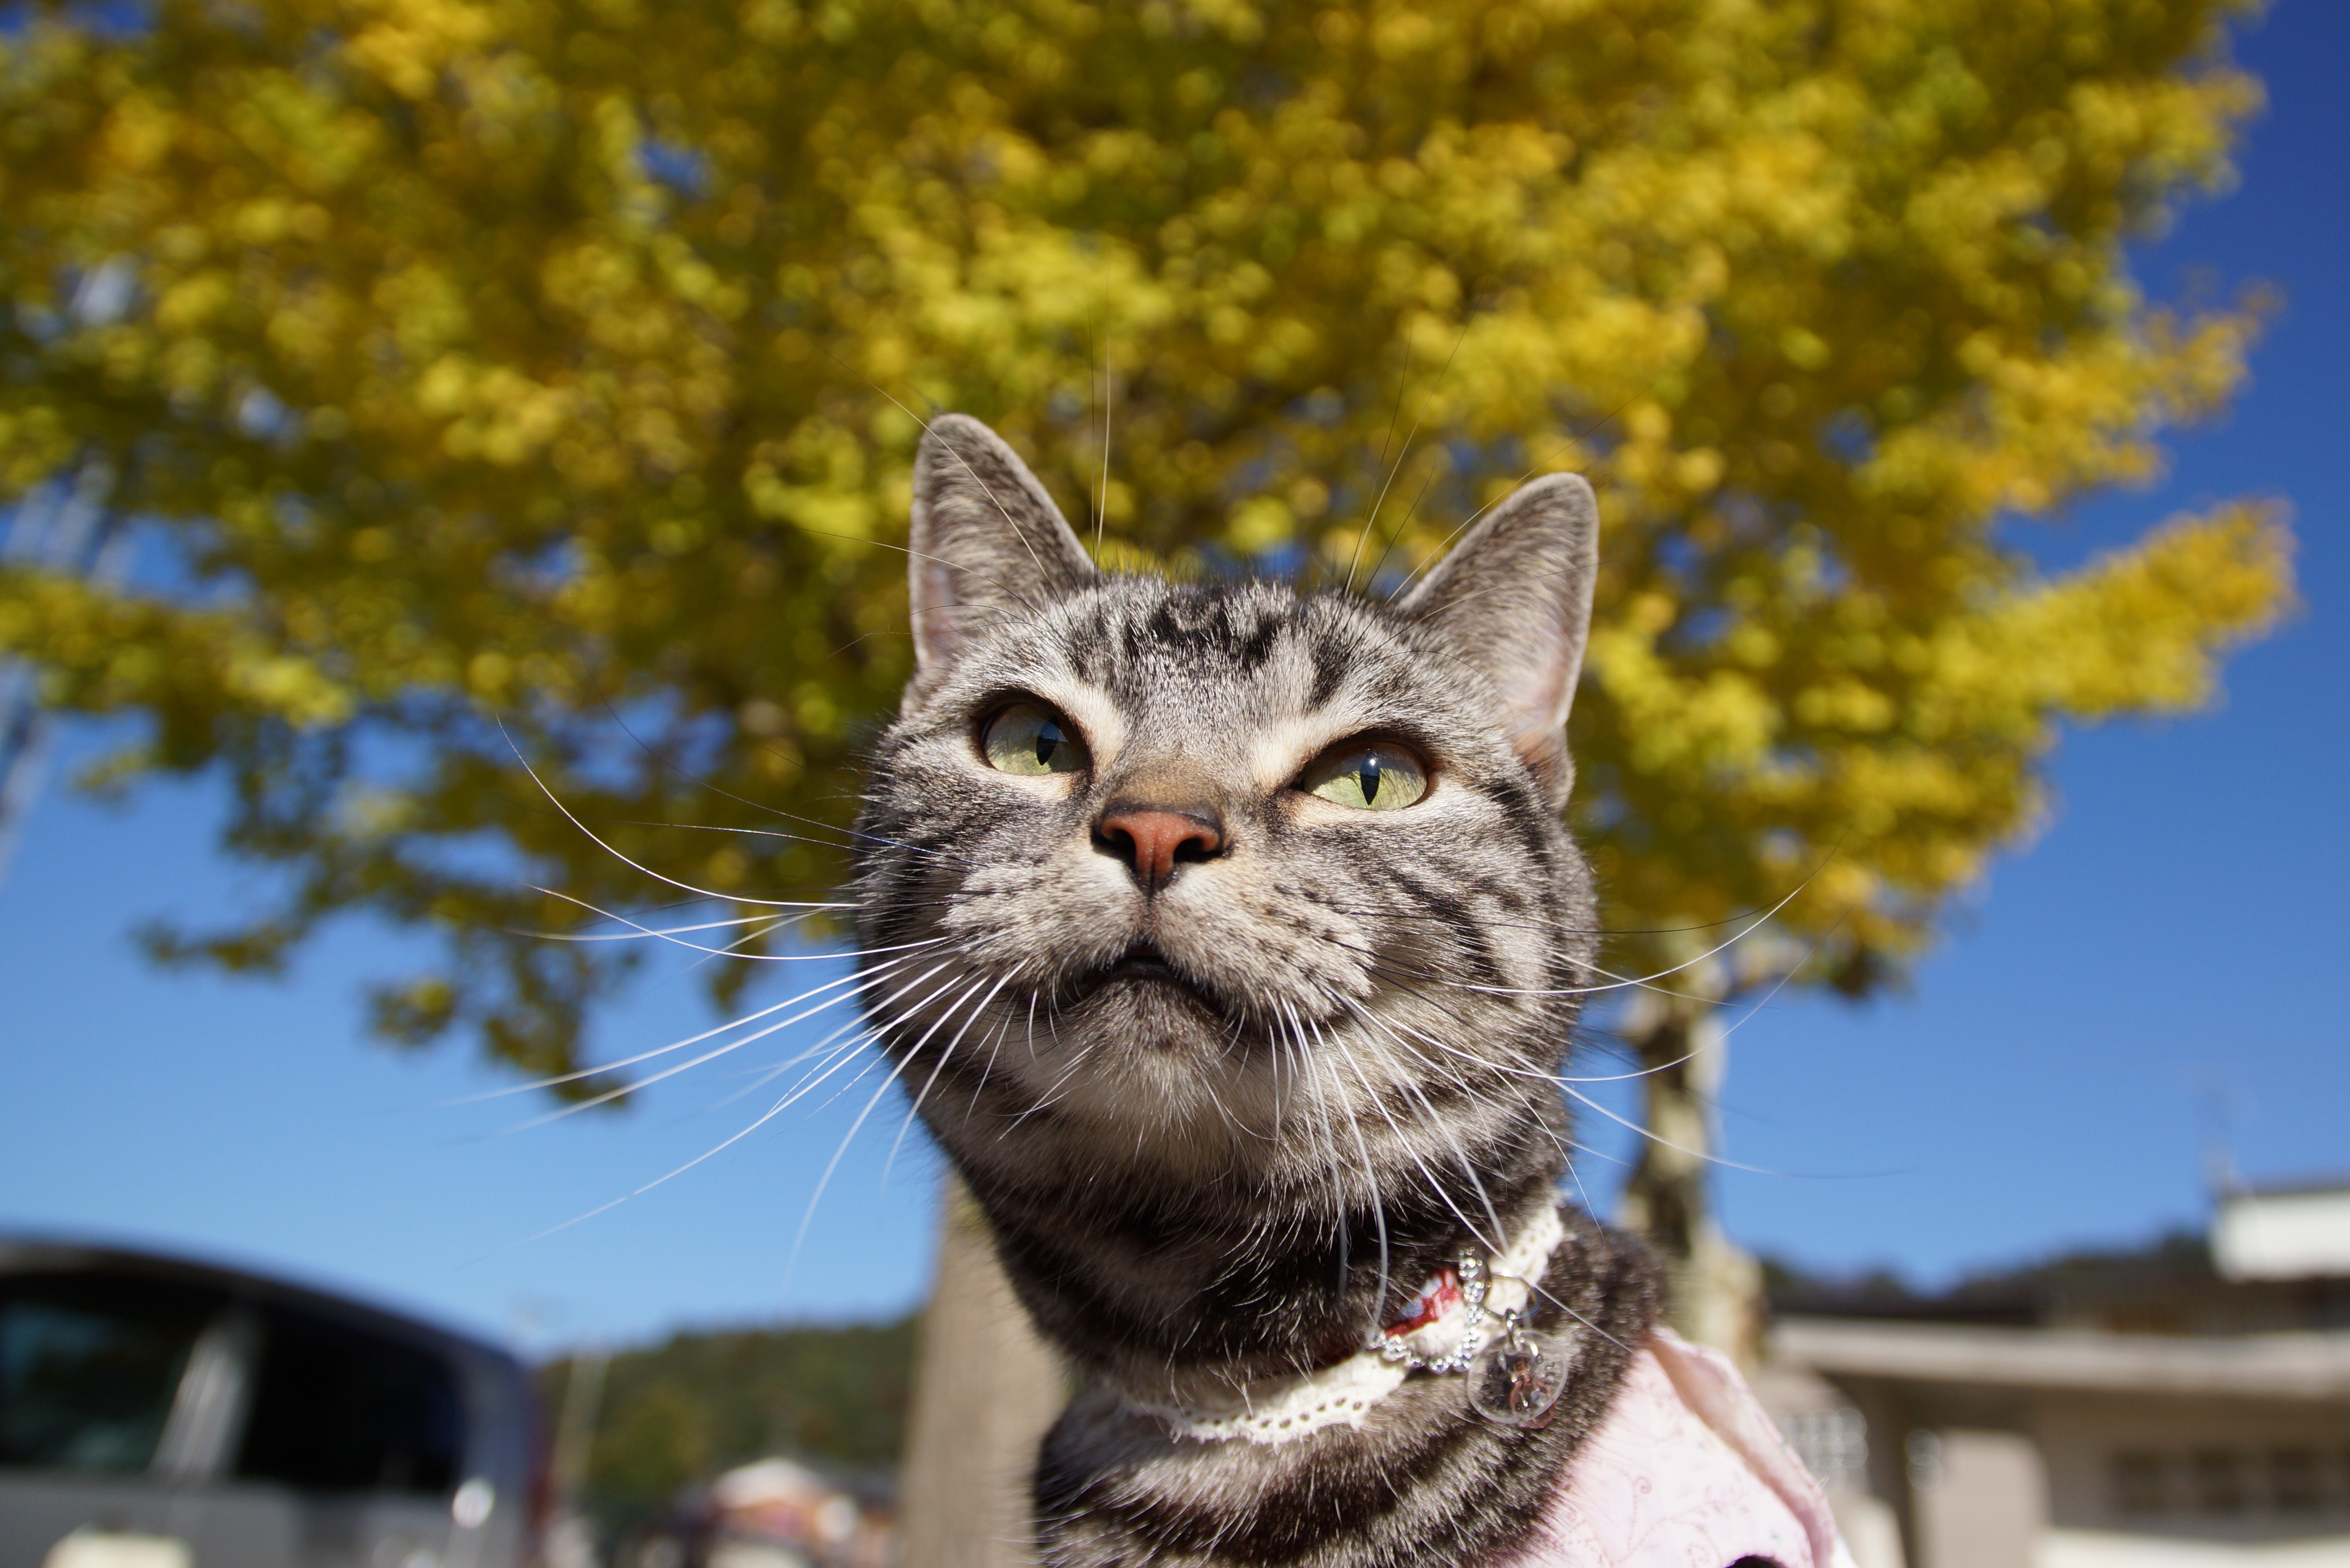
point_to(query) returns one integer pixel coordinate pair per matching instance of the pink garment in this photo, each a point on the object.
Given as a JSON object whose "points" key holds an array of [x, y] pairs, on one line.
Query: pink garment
{"points": [[1685, 1472]]}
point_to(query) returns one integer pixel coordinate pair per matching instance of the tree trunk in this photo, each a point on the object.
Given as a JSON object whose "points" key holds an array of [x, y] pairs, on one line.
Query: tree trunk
{"points": [[985, 1388], [1716, 1286]]}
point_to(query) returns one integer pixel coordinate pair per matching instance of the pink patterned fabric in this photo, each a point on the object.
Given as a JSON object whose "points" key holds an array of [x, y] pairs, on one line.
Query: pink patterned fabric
{"points": [[1685, 1472]]}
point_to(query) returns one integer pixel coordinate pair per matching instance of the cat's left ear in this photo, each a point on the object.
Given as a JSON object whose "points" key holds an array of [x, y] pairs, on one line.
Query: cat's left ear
{"points": [[1514, 598]]}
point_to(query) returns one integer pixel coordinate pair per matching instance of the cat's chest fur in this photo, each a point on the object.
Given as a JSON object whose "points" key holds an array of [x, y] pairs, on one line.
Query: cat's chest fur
{"points": [[1231, 941], [1420, 1477]]}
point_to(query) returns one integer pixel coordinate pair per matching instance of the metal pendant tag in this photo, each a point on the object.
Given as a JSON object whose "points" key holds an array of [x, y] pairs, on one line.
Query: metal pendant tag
{"points": [[1517, 1382]]}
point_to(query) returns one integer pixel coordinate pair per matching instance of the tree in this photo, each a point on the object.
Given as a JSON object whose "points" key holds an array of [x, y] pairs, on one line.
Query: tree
{"points": [[557, 368], [670, 1414]]}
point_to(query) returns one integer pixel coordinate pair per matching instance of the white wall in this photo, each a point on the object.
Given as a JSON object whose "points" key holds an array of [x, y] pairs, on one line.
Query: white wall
{"points": [[1982, 1500], [2283, 1236]]}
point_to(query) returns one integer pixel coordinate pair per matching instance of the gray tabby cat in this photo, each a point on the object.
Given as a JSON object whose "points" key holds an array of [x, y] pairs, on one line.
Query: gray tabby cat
{"points": [[1229, 938]]}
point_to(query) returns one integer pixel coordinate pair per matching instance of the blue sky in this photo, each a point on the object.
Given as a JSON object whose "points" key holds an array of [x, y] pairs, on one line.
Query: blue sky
{"points": [[2167, 950]]}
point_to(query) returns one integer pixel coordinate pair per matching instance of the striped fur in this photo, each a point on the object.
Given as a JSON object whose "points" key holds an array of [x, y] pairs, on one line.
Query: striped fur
{"points": [[1243, 1168]]}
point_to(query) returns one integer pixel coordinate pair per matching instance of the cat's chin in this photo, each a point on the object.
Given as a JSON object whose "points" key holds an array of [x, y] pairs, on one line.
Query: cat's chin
{"points": [[1152, 1015], [1163, 1075], [1145, 994]]}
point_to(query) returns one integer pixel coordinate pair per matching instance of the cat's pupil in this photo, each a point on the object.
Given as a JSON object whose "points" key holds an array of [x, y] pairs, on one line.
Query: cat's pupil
{"points": [[1049, 741], [1369, 778]]}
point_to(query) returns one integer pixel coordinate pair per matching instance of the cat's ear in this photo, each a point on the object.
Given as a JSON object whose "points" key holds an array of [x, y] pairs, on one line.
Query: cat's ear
{"points": [[986, 539], [1514, 598]]}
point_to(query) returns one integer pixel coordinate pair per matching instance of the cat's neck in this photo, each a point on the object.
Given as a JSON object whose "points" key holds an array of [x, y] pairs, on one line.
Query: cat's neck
{"points": [[1419, 1474], [1170, 1290]]}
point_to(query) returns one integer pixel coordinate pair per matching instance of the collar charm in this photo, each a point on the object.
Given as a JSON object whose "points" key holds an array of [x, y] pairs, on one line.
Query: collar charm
{"points": [[1518, 1382]]}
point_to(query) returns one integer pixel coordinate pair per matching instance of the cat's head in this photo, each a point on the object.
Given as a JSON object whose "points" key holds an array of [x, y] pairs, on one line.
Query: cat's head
{"points": [[1218, 885]]}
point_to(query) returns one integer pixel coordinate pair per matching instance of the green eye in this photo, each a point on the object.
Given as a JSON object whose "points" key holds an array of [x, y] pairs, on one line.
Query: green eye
{"points": [[1029, 739], [1373, 777]]}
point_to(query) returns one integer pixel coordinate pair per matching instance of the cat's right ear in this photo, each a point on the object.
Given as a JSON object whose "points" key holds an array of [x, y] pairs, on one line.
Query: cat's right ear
{"points": [[986, 539], [1514, 598]]}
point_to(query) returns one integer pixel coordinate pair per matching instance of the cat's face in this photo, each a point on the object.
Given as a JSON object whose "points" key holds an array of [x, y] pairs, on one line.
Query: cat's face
{"points": [[1214, 881]]}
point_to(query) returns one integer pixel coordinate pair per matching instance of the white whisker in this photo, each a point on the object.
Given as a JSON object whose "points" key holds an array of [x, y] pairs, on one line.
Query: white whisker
{"points": [[829, 955], [686, 1043], [556, 801], [916, 1108], [792, 1265]]}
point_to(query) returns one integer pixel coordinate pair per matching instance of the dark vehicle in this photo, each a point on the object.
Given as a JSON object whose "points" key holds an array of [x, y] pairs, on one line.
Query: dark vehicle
{"points": [[159, 1414]]}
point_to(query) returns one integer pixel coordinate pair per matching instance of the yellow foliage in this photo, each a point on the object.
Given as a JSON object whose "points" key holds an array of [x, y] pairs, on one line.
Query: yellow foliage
{"points": [[560, 362]]}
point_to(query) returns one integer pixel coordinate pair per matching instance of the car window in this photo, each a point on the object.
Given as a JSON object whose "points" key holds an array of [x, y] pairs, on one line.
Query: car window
{"points": [[88, 1366], [339, 1409]]}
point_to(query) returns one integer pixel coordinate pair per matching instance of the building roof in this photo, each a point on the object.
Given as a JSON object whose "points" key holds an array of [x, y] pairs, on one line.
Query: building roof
{"points": [[2296, 1187], [2309, 1366]]}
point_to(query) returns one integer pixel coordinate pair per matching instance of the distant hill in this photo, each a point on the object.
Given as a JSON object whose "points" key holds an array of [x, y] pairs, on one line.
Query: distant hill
{"points": [[2166, 1285], [681, 1411]]}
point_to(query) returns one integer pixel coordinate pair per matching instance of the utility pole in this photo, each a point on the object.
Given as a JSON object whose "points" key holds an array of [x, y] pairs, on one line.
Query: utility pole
{"points": [[985, 1388], [571, 1541], [1715, 1286]]}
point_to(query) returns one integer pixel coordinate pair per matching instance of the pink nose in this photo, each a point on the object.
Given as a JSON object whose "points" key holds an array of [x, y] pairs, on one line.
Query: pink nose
{"points": [[1153, 840]]}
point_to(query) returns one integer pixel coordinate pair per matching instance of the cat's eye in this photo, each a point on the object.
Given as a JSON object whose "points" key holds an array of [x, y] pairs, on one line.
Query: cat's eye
{"points": [[1030, 739], [1369, 775]]}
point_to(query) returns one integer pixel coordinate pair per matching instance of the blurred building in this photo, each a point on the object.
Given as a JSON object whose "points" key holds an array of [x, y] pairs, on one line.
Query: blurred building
{"points": [[2187, 1408]]}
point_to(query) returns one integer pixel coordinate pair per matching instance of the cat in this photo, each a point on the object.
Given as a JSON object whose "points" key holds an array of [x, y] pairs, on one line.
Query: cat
{"points": [[1229, 938]]}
